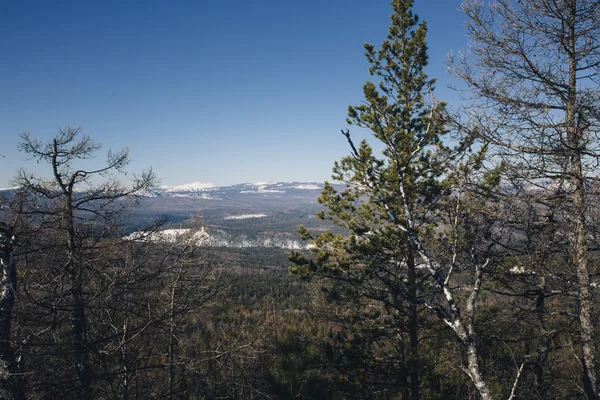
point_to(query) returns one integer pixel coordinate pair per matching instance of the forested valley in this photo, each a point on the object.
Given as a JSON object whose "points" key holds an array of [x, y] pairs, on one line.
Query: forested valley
{"points": [[454, 255]]}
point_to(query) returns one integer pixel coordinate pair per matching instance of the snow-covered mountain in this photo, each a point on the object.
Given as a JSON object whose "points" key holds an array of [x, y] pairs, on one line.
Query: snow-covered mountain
{"points": [[210, 191], [194, 186], [220, 238], [245, 215]]}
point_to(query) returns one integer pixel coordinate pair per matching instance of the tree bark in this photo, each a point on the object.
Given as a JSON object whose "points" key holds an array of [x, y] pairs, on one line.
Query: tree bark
{"points": [[79, 341], [11, 387], [74, 266], [544, 343], [580, 258], [413, 328], [585, 296]]}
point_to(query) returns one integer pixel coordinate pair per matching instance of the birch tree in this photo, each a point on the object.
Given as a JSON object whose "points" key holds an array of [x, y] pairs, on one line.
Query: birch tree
{"points": [[533, 71]]}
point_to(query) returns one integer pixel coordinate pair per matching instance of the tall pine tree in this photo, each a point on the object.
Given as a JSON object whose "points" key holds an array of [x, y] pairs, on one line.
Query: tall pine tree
{"points": [[376, 261], [414, 219]]}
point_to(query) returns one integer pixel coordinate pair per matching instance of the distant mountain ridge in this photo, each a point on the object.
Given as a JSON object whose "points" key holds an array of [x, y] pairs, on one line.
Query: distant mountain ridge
{"points": [[244, 215], [196, 189], [210, 191]]}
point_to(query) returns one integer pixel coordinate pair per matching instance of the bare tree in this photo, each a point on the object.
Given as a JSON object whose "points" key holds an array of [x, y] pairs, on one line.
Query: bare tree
{"points": [[82, 210], [534, 67], [161, 287]]}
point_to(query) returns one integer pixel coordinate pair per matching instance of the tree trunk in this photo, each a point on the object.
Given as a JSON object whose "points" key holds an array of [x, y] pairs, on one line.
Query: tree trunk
{"points": [[172, 346], [402, 370], [544, 339], [473, 368], [78, 320], [580, 259], [413, 328], [585, 300], [11, 387], [79, 342]]}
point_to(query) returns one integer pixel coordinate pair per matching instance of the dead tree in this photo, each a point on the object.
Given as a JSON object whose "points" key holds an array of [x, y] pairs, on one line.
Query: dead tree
{"points": [[81, 212], [533, 69]]}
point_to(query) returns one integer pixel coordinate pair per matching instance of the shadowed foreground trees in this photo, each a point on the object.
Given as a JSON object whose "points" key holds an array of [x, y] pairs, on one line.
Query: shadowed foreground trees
{"points": [[11, 385], [99, 315], [79, 212], [463, 271]]}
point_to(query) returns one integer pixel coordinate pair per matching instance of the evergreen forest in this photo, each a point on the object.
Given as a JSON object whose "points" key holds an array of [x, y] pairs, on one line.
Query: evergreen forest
{"points": [[454, 253]]}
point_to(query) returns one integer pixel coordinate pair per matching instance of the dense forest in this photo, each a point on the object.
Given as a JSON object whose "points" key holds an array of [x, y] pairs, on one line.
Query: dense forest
{"points": [[460, 262]]}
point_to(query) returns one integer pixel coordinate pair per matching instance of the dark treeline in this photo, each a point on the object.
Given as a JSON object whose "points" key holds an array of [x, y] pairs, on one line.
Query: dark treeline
{"points": [[460, 263]]}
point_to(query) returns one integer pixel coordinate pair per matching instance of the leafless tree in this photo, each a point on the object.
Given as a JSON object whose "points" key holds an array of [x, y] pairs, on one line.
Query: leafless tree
{"points": [[81, 209], [533, 70]]}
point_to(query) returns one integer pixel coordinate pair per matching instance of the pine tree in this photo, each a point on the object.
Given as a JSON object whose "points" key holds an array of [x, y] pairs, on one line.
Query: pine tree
{"points": [[421, 225], [377, 261]]}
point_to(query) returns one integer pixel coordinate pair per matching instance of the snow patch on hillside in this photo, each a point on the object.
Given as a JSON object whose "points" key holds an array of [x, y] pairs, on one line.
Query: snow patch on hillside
{"points": [[191, 186], [246, 216], [199, 237], [207, 196], [262, 189], [264, 183], [307, 186]]}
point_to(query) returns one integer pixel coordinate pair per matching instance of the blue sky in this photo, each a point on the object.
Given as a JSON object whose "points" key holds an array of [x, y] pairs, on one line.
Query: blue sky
{"points": [[206, 90]]}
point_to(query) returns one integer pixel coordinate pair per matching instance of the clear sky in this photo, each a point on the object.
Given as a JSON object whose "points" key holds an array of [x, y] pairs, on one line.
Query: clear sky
{"points": [[222, 91]]}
